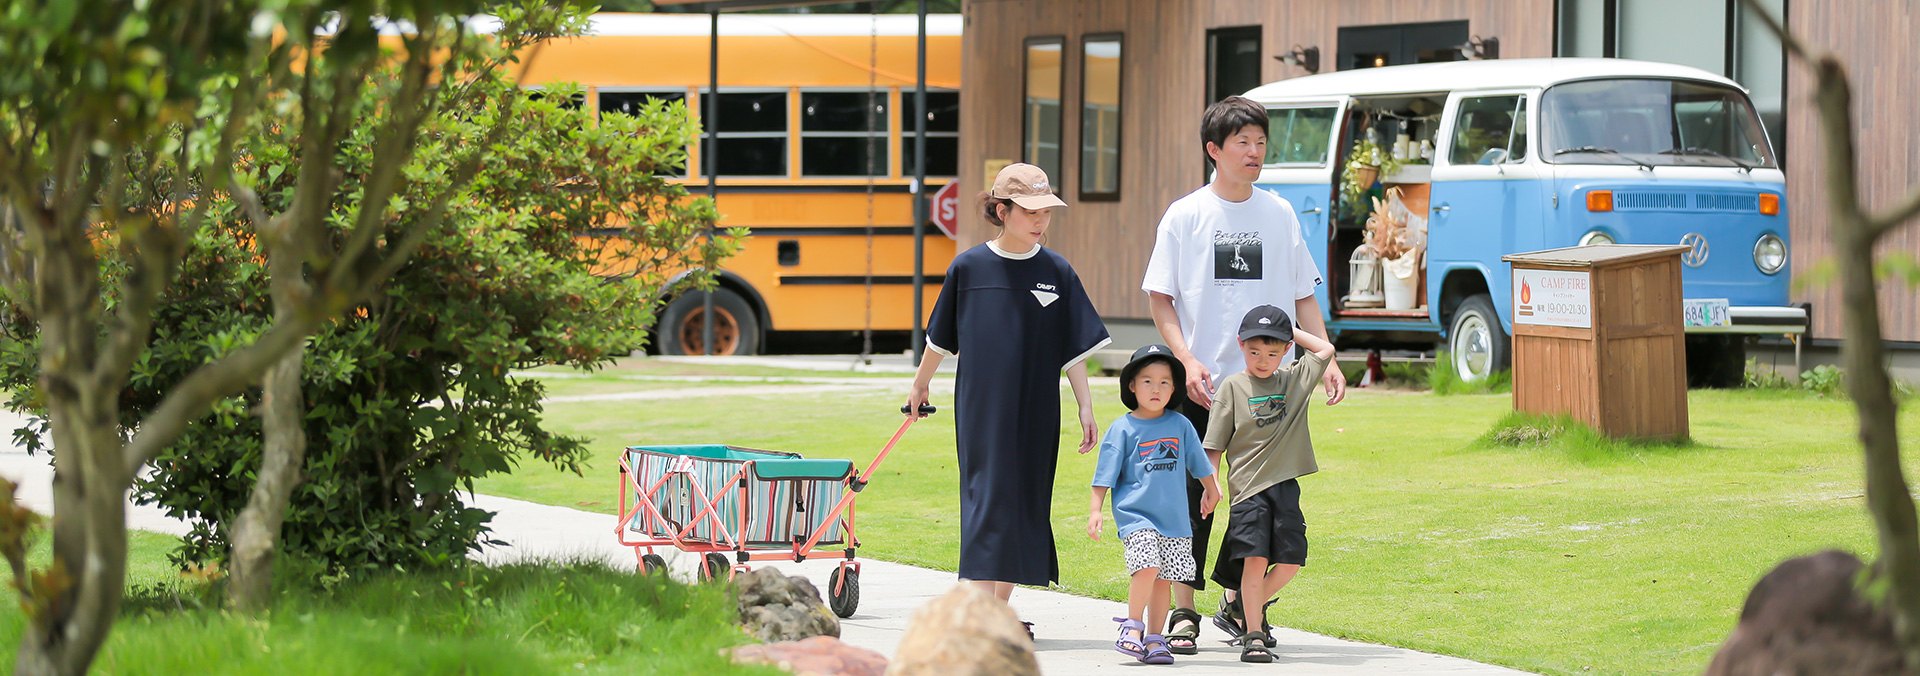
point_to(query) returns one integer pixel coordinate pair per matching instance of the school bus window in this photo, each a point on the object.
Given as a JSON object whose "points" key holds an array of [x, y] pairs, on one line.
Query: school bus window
{"points": [[843, 133], [753, 134], [574, 102], [943, 133], [630, 103]]}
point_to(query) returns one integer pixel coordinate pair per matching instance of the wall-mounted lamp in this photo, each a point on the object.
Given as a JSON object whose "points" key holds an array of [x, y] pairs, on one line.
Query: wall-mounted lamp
{"points": [[1307, 58], [1480, 48]]}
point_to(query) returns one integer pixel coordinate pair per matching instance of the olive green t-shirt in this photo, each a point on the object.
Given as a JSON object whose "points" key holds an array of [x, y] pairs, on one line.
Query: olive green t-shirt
{"points": [[1261, 425]]}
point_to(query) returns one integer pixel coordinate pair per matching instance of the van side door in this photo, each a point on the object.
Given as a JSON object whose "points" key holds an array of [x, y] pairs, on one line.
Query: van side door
{"points": [[1487, 200], [1299, 169]]}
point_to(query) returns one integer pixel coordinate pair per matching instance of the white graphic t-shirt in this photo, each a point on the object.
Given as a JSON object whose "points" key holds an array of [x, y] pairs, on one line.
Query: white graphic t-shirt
{"points": [[1219, 259]]}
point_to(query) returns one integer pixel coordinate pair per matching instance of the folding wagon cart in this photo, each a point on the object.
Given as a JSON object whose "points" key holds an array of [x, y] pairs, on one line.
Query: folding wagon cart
{"points": [[760, 505]]}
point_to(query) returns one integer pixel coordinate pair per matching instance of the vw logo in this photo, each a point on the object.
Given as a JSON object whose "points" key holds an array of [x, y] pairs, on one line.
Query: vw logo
{"points": [[1696, 254]]}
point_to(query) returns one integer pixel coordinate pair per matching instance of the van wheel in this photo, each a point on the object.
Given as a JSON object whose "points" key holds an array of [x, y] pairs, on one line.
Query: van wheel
{"points": [[1476, 344], [735, 329]]}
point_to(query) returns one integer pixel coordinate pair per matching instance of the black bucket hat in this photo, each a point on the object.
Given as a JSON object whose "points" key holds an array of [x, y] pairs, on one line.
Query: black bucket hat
{"points": [[1148, 355]]}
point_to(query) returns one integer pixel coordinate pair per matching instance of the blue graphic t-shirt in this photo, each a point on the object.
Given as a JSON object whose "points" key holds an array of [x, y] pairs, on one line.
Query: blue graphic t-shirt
{"points": [[1146, 463]]}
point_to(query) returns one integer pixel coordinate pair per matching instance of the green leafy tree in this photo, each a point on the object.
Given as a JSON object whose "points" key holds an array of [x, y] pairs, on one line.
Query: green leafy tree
{"points": [[556, 253], [120, 133]]}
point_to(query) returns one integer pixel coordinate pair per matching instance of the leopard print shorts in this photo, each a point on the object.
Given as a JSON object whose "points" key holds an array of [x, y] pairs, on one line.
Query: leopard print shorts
{"points": [[1147, 548]]}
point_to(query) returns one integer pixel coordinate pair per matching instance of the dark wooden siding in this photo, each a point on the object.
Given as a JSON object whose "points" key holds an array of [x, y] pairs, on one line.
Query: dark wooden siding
{"points": [[1875, 40]]}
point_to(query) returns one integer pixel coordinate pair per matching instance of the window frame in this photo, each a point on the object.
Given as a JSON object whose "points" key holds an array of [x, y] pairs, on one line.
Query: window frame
{"points": [[1524, 104], [1119, 136], [786, 164], [906, 130], [685, 97], [1060, 114], [884, 134], [1332, 134]]}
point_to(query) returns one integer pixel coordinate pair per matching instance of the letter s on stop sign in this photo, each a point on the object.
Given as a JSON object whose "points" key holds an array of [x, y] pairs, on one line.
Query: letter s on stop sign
{"points": [[946, 210]]}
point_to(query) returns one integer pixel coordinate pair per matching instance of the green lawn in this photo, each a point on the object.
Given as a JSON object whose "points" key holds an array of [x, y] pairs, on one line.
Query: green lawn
{"points": [[1536, 557], [511, 621], [652, 366]]}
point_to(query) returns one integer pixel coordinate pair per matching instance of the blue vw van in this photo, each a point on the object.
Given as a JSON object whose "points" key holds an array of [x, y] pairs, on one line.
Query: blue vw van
{"points": [[1509, 156]]}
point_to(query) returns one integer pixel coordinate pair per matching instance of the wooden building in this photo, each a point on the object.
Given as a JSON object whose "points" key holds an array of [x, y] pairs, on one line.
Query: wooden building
{"points": [[1038, 86]]}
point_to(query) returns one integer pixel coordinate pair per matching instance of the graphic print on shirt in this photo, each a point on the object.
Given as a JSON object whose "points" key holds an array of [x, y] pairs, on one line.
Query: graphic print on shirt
{"points": [[1267, 410], [1159, 455], [1236, 255], [1046, 294]]}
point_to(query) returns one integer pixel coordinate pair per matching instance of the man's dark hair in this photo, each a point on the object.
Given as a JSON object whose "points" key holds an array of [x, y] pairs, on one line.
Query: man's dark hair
{"points": [[1227, 117]]}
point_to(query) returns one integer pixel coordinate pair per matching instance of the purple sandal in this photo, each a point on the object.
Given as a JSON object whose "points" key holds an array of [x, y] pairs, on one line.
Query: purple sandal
{"points": [[1157, 652], [1131, 647]]}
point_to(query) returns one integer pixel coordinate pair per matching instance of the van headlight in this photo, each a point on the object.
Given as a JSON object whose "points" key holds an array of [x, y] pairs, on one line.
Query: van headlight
{"points": [[1770, 253], [1595, 237]]}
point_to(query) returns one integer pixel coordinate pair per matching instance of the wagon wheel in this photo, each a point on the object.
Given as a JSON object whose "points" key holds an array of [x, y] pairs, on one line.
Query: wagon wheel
{"points": [[652, 563], [843, 598], [715, 567]]}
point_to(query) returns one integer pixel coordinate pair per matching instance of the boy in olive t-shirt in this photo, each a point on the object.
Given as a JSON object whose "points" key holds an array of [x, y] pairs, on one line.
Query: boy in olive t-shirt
{"points": [[1259, 421]]}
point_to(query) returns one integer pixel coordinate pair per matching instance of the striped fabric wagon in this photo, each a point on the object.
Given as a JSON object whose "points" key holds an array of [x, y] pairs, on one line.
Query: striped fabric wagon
{"points": [[760, 505]]}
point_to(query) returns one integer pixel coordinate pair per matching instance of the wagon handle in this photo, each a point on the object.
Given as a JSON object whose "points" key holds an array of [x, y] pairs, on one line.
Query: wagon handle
{"points": [[925, 409]]}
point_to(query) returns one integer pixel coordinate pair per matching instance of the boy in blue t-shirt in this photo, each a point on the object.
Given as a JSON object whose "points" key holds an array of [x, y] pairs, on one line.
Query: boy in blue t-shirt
{"points": [[1145, 460]]}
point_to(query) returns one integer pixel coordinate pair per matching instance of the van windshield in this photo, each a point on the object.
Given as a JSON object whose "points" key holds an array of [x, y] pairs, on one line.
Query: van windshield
{"points": [[1652, 122]]}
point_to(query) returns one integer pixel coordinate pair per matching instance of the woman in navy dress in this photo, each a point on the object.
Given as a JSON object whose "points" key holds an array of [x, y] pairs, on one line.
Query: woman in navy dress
{"points": [[1018, 313]]}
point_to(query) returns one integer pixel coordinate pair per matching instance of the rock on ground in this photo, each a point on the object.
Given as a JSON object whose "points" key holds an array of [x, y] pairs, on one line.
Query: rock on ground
{"points": [[817, 656], [1805, 618], [776, 608], [966, 632]]}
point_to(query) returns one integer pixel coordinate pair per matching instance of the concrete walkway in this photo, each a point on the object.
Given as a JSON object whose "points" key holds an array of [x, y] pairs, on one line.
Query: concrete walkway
{"points": [[1074, 634]]}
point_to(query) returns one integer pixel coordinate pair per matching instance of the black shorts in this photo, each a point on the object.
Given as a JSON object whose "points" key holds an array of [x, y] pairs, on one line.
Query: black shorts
{"points": [[1267, 525], [1202, 525]]}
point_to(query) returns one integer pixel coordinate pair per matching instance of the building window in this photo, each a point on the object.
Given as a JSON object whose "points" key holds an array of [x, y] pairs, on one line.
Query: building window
{"points": [[1490, 130], [1040, 120], [943, 133], [619, 102], [1719, 37], [843, 133], [1100, 96], [753, 134]]}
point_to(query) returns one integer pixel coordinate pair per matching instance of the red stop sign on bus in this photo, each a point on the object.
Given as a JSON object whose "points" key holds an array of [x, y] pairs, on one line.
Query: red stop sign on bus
{"points": [[945, 210]]}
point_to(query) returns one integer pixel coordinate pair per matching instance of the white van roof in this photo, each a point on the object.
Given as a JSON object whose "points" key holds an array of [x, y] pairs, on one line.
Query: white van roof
{"points": [[1467, 75]]}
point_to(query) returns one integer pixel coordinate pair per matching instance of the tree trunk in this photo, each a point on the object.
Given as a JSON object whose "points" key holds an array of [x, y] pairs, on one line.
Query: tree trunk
{"points": [[73, 612], [1864, 357], [256, 535]]}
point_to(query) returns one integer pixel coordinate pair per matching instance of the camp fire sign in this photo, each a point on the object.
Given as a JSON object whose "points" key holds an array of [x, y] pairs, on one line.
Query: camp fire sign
{"points": [[1553, 298]]}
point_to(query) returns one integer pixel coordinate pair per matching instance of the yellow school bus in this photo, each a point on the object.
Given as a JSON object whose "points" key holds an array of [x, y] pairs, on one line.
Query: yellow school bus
{"points": [[803, 97]]}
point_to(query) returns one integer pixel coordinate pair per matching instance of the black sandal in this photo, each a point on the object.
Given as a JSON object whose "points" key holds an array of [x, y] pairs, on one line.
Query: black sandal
{"points": [[1184, 641], [1253, 648]]}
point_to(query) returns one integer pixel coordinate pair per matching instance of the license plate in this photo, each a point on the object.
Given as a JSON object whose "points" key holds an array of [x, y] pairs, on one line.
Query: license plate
{"points": [[1709, 312]]}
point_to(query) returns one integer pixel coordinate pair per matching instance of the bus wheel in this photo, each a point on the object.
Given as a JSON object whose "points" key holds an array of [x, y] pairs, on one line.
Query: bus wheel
{"points": [[735, 330], [1476, 344]]}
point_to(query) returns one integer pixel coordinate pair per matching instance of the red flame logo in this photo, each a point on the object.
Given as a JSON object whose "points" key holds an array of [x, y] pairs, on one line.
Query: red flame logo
{"points": [[1526, 293]]}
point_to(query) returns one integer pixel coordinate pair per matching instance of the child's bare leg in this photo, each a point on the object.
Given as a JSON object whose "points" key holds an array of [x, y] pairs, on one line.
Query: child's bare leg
{"points": [[1182, 595], [1140, 594], [1253, 589], [1157, 606], [1277, 578]]}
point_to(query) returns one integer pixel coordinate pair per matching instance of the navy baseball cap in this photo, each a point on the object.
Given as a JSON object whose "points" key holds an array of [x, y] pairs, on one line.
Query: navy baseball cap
{"points": [[1141, 358], [1267, 321]]}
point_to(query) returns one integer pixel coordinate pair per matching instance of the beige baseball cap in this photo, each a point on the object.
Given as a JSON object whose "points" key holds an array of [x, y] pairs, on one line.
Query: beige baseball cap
{"points": [[1026, 185]]}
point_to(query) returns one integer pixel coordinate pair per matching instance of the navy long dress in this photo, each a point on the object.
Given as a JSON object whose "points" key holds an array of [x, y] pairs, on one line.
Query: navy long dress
{"points": [[1018, 320]]}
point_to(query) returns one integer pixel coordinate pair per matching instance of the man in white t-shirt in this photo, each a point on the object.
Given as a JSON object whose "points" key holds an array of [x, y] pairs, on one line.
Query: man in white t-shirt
{"points": [[1220, 251]]}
